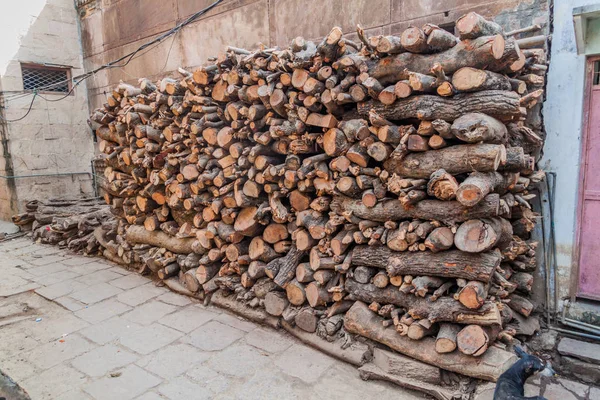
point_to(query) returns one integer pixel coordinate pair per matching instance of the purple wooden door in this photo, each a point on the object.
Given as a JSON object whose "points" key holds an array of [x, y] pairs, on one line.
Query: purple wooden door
{"points": [[589, 222]]}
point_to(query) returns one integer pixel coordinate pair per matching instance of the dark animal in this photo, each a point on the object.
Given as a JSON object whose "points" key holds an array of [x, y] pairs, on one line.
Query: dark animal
{"points": [[510, 384]]}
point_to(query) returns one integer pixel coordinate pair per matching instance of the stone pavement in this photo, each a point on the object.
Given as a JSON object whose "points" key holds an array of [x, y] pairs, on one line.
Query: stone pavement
{"points": [[77, 328]]}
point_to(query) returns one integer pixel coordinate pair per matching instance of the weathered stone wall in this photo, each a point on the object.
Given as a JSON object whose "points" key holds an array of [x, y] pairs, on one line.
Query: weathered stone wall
{"points": [[54, 137], [111, 28]]}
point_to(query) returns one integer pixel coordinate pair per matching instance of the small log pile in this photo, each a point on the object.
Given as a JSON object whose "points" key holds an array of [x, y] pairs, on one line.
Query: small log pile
{"points": [[394, 172], [67, 223]]}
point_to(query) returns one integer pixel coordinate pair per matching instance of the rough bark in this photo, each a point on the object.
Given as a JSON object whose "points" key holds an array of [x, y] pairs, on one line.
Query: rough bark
{"points": [[449, 264], [478, 127], [444, 309], [392, 210], [138, 235], [490, 52], [500, 104], [360, 320], [455, 160]]}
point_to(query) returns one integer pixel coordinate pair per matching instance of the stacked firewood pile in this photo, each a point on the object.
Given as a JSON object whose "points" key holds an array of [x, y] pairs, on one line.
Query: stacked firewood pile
{"points": [[68, 223], [381, 187]]}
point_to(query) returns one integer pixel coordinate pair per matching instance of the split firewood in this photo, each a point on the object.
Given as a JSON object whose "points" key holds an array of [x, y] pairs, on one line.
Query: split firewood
{"points": [[304, 180]]}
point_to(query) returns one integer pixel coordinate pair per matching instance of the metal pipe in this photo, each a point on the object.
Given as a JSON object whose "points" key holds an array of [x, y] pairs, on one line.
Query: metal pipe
{"points": [[37, 175], [577, 324], [553, 241], [575, 333]]}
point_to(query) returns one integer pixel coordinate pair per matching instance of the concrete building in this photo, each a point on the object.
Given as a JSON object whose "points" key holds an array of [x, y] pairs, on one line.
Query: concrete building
{"points": [[571, 151], [111, 28], [41, 46]]}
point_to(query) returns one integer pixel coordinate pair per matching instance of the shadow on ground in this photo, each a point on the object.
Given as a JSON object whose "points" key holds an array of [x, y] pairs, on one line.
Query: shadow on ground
{"points": [[9, 390]]}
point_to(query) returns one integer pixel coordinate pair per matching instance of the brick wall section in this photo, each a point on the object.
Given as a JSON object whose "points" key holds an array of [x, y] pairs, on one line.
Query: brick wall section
{"points": [[54, 137], [111, 28]]}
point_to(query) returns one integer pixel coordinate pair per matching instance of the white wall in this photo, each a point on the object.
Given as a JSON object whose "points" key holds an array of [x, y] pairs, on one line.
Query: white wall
{"points": [[54, 137], [563, 112]]}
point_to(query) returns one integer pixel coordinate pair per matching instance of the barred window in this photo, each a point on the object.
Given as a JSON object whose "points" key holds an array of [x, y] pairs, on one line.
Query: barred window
{"points": [[46, 79]]}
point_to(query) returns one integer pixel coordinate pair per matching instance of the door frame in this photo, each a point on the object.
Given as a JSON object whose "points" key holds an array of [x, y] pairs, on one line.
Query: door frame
{"points": [[587, 97]]}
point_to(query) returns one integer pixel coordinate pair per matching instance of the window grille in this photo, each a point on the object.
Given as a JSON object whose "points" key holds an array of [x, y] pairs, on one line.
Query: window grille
{"points": [[45, 79], [82, 3]]}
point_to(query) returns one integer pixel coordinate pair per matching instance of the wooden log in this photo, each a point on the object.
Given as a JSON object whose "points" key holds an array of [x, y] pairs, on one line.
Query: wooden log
{"points": [[317, 295], [295, 293], [480, 184], [445, 309], [363, 274], [440, 239], [276, 303], [472, 340], [306, 320], [284, 268], [473, 25], [469, 79], [500, 104], [253, 314], [454, 160], [493, 53], [138, 235], [473, 294], [475, 236], [421, 329], [442, 185], [449, 264], [361, 321], [520, 304], [206, 272], [392, 210], [190, 281], [445, 341], [478, 127]]}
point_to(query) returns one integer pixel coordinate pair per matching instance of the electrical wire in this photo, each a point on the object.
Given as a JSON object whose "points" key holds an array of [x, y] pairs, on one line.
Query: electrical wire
{"points": [[26, 114], [113, 64]]}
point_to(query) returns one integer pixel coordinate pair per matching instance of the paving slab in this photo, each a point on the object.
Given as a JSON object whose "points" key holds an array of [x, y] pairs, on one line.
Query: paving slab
{"points": [[103, 310], [235, 321], [304, 363], [239, 360], [589, 352], [214, 336], [51, 279], [109, 330], [132, 382], [102, 360], [150, 312], [183, 388], [52, 383], [150, 396], [98, 277], [188, 318], [173, 360], [150, 338], [558, 392], [77, 260], [140, 294], [70, 304], [95, 293], [129, 281], [60, 289], [174, 298], [268, 340], [210, 379], [54, 353]]}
